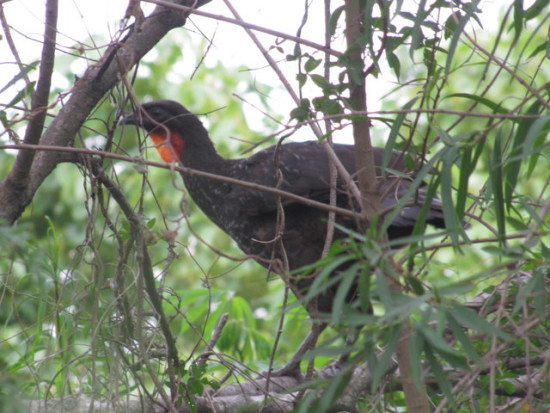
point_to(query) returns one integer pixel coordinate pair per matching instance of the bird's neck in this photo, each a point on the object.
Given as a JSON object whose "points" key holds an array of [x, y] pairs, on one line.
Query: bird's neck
{"points": [[190, 145], [201, 154]]}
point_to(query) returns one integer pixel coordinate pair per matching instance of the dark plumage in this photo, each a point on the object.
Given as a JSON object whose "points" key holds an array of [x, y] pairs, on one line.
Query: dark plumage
{"points": [[250, 216]]}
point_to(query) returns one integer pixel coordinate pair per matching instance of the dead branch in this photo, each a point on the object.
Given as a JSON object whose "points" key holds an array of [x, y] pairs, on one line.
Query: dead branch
{"points": [[98, 79]]}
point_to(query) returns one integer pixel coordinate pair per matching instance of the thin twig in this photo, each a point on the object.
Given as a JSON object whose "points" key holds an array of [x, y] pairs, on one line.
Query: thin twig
{"points": [[246, 25], [146, 269], [39, 100], [13, 48], [344, 174], [216, 334], [186, 170]]}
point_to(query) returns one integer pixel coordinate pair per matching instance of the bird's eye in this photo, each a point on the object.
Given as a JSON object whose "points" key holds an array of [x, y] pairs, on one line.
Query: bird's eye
{"points": [[154, 111], [158, 114]]}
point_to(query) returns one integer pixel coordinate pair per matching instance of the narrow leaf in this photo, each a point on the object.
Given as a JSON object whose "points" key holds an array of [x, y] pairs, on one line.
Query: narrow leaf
{"points": [[513, 165], [21, 74], [463, 339], [535, 141], [438, 343], [349, 277], [474, 321], [470, 12], [394, 133], [416, 343], [449, 212], [495, 177], [535, 9], [385, 361], [518, 18], [495, 107], [440, 377], [417, 36]]}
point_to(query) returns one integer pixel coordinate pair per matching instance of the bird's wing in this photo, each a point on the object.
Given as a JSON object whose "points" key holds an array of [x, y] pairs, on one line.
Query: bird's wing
{"points": [[299, 168], [397, 191], [305, 171]]}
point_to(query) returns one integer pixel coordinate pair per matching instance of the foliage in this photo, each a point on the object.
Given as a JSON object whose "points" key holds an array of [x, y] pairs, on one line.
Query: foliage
{"points": [[469, 106]]}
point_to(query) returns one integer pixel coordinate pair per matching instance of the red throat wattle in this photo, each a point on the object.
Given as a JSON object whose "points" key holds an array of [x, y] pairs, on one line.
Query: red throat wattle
{"points": [[169, 150]]}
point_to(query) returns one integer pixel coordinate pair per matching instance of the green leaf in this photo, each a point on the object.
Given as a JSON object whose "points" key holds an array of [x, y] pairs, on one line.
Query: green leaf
{"points": [[495, 107], [327, 106], [440, 377], [495, 177], [463, 339], [302, 112], [417, 37], [365, 286], [438, 344], [535, 9], [379, 368], [541, 274], [474, 321], [194, 386], [518, 18], [449, 212], [22, 94], [464, 172], [394, 63], [349, 277], [335, 388], [21, 75], [262, 346], [231, 336], [416, 344], [513, 164], [394, 133], [334, 17], [240, 309], [535, 141], [415, 284], [384, 292], [535, 288], [451, 24], [543, 47], [470, 12], [321, 82], [151, 223], [545, 251], [301, 78], [311, 64], [325, 279]]}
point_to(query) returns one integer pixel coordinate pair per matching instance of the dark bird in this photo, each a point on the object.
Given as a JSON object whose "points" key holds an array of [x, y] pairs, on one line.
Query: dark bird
{"points": [[250, 216]]}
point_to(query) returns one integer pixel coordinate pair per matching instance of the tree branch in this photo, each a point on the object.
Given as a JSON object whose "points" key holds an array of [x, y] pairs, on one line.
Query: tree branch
{"points": [[61, 150], [415, 393], [251, 26], [86, 93], [344, 174], [39, 99], [146, 272]]}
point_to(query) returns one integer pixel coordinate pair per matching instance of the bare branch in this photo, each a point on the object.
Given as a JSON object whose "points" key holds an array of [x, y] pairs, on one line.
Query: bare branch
{"points": [[146, 271], [86, 93], [250, 26], [11, 43], [185, 170], [314, 125]]}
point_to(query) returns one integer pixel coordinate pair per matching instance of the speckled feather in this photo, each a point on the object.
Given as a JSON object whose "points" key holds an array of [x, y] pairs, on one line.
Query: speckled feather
{"points": [[250, 216]]}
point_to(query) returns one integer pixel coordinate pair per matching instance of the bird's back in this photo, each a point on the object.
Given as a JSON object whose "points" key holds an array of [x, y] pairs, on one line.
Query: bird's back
{"points": [[254, 220]]}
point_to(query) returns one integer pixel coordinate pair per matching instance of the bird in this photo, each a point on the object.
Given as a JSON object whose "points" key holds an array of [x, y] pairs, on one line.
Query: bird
{"points": [[252, 217]]}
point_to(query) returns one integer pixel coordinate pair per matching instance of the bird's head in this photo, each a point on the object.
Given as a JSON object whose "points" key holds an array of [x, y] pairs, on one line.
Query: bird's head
{"points": [[170, 126]]}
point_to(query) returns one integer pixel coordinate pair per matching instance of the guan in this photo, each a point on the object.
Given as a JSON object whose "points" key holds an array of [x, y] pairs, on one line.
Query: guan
{"points": [[252, 217]]}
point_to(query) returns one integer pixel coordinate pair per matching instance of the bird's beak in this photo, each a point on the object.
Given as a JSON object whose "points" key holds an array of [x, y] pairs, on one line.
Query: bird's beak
{"points": [[130, 119]]}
